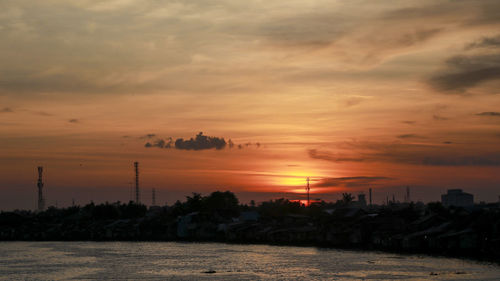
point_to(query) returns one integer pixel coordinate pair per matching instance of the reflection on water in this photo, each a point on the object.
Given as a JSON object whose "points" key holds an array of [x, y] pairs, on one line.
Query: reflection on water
{"points": [[213, 261]]}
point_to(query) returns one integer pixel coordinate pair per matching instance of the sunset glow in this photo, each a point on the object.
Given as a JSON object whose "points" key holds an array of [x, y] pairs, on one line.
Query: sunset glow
{"points": [[353, 94]]}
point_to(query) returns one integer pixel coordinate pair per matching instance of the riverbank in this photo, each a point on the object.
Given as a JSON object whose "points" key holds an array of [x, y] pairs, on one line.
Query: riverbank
{"points": [[400, 228]]}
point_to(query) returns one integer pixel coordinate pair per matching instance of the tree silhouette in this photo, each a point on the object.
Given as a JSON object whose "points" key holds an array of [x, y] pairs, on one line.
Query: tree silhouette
{"points": [[347, 198]]}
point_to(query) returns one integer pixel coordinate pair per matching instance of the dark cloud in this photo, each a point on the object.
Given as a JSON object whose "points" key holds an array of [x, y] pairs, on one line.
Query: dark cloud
{"points": [[161, 143], [350, 181], [485, 42], [409, 136], [415, 154], [489, 113], [447, 142], [464, 72], [74, 121], [6, 110], [409, 122], [200, 142], [314, 153], [472, 160]]}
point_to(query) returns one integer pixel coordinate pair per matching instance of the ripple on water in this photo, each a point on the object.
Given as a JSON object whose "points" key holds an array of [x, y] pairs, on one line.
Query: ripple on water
{"points": [[214, 261]]}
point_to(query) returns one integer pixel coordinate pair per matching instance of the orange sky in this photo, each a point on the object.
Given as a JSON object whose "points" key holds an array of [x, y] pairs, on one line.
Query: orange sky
{"points": [[354, 94]]}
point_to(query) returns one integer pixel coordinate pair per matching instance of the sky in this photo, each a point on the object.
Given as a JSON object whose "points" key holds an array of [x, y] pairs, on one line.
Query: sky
{"points": [[354, 94]]}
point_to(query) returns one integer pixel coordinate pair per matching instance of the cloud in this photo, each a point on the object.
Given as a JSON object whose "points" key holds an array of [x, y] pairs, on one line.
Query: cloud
{"points": [[161, 143], [485, 42], [147, 136], [350, 181], [465, 71], [6, 110], [439, 118], [409, 136], [414, 154], [162, 46], [315, 154], [353, 101], [462, 13], [43, 113], [74, 121], [200, 142], [489, 113]]}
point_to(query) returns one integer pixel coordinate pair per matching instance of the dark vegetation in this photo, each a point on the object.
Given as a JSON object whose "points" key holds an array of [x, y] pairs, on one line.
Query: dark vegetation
{"points": [[398, 227]]}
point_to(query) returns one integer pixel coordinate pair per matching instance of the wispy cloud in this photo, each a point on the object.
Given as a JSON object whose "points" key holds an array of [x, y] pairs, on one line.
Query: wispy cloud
{"points": [[485, 42], [148, 136], [465, 71], [333, 157], [410, 136], [6, 110], [414, 154], [439, 117], [489, 113], [351, 181]]}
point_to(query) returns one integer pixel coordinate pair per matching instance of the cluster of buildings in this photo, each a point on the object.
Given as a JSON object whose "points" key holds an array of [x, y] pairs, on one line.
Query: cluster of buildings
{"points": [[453, 197]]}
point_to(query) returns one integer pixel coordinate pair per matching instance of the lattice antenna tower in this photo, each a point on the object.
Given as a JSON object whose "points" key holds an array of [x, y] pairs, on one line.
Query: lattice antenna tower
{"points": [[41, 200], [307, 189], [136, 166], [153, 199]]}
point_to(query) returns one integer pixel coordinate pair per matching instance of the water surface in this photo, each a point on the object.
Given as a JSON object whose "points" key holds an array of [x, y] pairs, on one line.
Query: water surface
{"points": [[192, 261]]}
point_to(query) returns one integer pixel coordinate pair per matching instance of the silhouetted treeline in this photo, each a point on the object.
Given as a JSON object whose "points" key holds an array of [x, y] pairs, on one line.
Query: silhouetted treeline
{"points": [[401, 227]]}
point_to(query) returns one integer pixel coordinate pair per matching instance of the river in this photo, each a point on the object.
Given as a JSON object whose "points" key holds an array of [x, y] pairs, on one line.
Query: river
{"points": [[215, 261]]}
